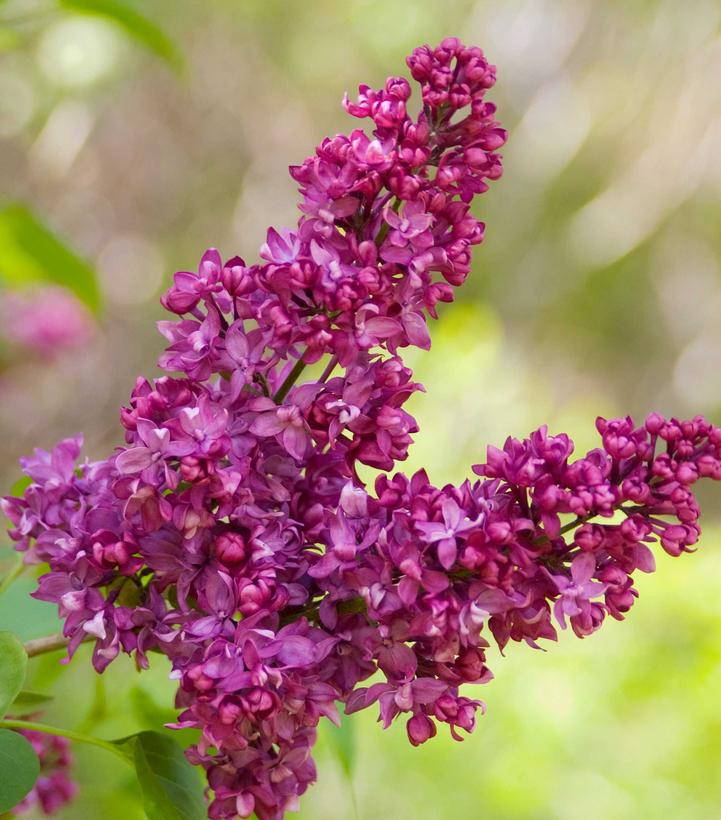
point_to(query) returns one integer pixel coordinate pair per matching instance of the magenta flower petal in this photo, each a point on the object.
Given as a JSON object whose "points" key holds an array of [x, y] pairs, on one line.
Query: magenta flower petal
{"points": [[134, 460], [267, 424]]}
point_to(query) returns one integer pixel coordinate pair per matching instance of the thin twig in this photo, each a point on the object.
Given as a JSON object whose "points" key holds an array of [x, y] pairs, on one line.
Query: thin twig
{"points": [[50, 643]]}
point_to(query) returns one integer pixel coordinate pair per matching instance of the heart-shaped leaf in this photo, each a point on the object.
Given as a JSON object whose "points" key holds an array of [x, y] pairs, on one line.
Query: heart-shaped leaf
{"points": [[13, 664], [19, 769], [171, 787]]}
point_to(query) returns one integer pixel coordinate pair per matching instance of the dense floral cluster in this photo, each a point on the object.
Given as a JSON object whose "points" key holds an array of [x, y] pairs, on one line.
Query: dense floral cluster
{"points": [[53, 789], [233, 533]]}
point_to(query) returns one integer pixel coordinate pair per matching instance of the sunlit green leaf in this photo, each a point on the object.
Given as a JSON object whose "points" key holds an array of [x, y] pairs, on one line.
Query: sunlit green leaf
{"points": [[13, 665], [171, 787], [135, 24], [31, 253], [19, 487], [19, 769]]}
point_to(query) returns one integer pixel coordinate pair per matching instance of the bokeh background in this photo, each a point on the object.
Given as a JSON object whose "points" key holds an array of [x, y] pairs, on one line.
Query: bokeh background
{"points": [[134, 135]]}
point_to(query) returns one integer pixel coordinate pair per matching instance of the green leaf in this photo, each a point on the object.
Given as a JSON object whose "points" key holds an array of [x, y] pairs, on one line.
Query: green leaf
{"points": [[136, 25], [19, 769], [19, 487], [31, 252], [343, 740], [171, 787], [13, 665], [27, 702]]}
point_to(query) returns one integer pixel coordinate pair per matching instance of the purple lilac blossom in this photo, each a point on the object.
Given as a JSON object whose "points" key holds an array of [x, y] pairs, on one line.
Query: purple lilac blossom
{"points": [[232, 532], [53, 789]]}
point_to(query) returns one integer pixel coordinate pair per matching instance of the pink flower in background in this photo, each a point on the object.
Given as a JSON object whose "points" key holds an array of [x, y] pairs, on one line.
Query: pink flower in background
{"points": [[47, 320], [54, 788]]}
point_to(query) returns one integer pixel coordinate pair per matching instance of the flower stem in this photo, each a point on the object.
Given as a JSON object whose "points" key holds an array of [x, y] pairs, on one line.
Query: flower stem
{"points": [[290, 380], [77, 737], [572, 525], [330, 367]]}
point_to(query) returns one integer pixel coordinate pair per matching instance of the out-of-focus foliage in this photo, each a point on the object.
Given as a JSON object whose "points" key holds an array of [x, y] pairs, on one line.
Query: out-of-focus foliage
{"points": [[597, 291], [31, 254], [133, 22]]}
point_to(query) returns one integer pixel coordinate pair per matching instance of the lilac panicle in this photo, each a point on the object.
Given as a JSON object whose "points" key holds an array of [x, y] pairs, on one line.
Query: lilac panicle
{"points": [[231, 532]]}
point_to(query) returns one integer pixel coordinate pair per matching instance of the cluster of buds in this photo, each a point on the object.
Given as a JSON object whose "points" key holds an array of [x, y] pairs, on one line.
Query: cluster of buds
{"points": [[233, 533]]}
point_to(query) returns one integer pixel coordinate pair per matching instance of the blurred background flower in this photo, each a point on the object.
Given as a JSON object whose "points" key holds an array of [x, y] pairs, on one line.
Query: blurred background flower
{"points": [[134, 135], [45, 322]]}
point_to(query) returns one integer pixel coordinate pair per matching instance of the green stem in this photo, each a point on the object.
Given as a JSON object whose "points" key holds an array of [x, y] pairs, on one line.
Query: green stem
{"points": [[68, 733], [572, 525], [13, 575], [290, 380], [582, 519], [330, 367]]}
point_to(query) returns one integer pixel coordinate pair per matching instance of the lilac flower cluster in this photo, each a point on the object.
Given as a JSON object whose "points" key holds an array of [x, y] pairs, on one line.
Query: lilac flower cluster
{"points": [[53, 789], [233, 533]]}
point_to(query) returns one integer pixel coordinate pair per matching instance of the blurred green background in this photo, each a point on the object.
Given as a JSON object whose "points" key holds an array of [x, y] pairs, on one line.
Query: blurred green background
{"points": [[143, 133]]}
